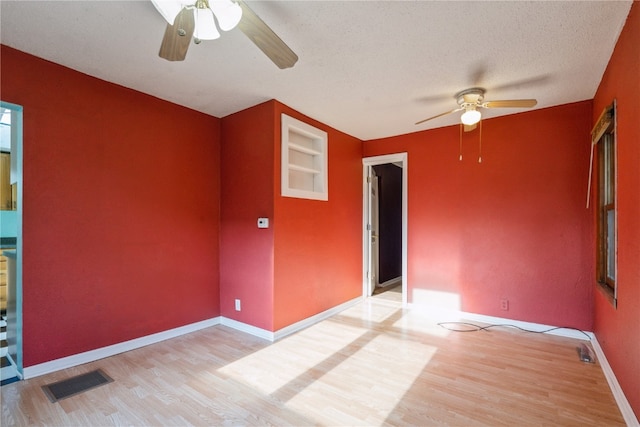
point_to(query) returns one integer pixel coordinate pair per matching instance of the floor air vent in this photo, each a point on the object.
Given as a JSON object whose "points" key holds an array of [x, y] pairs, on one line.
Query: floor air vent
{"points": [[585, 354], [75, 385]]}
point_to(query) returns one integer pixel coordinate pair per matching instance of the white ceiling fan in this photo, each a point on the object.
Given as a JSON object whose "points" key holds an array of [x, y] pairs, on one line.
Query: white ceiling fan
{"points": [[187, 19], [472, 100]]}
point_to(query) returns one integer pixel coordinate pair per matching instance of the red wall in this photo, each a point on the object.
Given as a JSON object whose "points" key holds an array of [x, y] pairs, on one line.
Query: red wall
{"points": [[246, 262], [123, 213], [309, 260], [618, 330], [318, 244], [514, 226], [121, 210]]}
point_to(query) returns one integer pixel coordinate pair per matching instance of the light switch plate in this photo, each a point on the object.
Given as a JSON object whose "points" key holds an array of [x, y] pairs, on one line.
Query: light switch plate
{"points": [[263, 222]]}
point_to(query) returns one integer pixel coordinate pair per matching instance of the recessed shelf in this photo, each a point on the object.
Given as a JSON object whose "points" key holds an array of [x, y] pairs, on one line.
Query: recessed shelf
{"points": [[303, 169], [304, 160], [302, 149]]}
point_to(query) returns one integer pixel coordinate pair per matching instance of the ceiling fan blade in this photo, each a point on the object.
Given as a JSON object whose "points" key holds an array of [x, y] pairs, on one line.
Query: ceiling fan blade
{"points": [[178, 36], [264, 37], [512, 103], [439, 115]]}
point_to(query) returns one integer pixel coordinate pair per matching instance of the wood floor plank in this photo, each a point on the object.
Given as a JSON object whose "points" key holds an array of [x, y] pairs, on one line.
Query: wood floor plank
{"points": [[374, 364]]}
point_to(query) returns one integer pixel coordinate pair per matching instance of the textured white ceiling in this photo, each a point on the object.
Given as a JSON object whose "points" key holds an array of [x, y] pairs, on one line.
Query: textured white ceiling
{"points": [[368, 68]]}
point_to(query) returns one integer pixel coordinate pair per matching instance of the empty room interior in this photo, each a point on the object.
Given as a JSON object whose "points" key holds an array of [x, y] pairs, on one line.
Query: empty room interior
{"points": [[232, 212]]}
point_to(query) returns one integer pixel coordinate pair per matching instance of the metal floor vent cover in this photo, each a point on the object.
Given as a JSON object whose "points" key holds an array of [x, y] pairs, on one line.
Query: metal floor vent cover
{"points": [[585, 354], [75, 385]]}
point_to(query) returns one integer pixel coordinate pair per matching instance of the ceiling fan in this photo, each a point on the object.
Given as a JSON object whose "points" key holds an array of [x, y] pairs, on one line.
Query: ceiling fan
{"points": [[189, 19], [471, 100]]}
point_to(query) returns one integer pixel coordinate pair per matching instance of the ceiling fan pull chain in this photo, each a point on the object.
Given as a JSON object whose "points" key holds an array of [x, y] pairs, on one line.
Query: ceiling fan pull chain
{"points": [[460, 141], [480, 150]]}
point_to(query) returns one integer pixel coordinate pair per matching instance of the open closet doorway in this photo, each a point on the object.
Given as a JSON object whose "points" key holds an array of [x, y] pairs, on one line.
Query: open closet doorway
{"points": [[384, 263], [10, 242]]}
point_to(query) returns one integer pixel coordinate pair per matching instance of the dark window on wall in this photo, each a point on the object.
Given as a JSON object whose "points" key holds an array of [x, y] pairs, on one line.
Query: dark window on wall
{"points": [[606, 197]]}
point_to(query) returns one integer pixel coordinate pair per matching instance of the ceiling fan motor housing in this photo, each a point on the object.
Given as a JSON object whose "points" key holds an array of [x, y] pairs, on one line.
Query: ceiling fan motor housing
{"points": [[473, 96]]}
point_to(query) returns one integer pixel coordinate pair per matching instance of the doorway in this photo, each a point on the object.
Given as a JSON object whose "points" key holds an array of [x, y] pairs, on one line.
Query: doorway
{"points": [[11, 240], [380, 260]]}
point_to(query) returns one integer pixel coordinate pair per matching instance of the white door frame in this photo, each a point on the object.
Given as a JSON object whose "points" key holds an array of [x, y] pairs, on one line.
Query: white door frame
{"points": [[373, 204], [17, 142], [367, 163]]}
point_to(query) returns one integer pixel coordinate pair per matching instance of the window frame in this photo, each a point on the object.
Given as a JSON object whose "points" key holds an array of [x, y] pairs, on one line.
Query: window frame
{"points": [[604, 138]]}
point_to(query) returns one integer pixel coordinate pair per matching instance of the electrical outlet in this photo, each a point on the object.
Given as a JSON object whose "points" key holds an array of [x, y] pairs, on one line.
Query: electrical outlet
{"points": [[504, 304], [237, 305]]}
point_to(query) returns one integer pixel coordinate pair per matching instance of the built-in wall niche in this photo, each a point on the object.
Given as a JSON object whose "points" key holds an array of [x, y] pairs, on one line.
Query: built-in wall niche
{"points": [[304, 160]]}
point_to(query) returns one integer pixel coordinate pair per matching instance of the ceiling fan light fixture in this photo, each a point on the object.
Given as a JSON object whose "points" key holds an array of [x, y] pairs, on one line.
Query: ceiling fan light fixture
{"points": [[227, 12], [199, 20], [205, 28], [470, 117], [169, 9]]}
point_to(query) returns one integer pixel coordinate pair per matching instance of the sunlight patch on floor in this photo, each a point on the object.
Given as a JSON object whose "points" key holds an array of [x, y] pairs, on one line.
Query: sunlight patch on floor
{"points": [[416, 321], [279, 364], [372, 311], [387, 368]]}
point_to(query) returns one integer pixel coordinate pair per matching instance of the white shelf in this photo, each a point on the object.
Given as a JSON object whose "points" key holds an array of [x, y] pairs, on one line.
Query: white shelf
{"points": [[305, 150], [304, 160], [299, 168]]}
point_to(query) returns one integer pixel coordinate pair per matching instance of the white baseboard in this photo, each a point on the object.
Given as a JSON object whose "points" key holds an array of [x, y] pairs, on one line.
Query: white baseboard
{"points": [[248, 329], [288, 330], [112, 350], [443, 315], [305, 323], [101, 353], [538, 327], [618, 394]]}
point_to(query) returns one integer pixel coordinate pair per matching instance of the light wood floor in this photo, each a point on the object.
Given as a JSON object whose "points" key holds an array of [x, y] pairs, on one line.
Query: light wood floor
{"points": [[374, 364], [389, 294]]}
